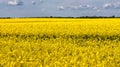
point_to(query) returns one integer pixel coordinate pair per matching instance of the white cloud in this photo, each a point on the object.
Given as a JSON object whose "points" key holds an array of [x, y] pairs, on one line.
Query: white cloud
{"points": [[78, 7], [15, 2], [117, 5], [108, 5], [33, 2], [43, 9], [112, 5], [83, 6], [37, 2], [61, 7], [41, 1], [73, 7]]}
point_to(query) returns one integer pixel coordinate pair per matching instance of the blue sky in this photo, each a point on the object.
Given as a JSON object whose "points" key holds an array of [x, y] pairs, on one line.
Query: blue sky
{"points": [[75, 8]]}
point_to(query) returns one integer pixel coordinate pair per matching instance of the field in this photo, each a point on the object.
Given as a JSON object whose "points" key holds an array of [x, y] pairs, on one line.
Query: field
{"points": [[54, 42]]}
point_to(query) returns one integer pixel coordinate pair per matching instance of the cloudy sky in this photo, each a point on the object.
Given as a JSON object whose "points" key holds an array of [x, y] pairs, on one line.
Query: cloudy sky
{"points": [[39, 8]]}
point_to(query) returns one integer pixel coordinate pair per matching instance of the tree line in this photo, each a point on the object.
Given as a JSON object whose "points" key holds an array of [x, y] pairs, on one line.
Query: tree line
{"points": [[63, 17]]}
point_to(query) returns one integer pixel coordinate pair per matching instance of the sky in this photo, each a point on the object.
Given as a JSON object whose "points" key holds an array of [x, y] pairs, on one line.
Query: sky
{"points": [[62, 8]]}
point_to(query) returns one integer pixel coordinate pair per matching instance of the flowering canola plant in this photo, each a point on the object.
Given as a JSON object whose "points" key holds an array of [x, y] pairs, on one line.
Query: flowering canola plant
{"points": [[59, 42]]}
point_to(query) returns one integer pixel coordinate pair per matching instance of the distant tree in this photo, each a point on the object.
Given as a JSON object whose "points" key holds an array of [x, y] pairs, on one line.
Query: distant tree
{"points": [[113, 16], [51, 16]]}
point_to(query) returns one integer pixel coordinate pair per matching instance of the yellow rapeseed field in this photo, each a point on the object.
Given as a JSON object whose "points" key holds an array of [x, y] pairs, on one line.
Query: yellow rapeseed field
{"points": [[55, 42]]}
